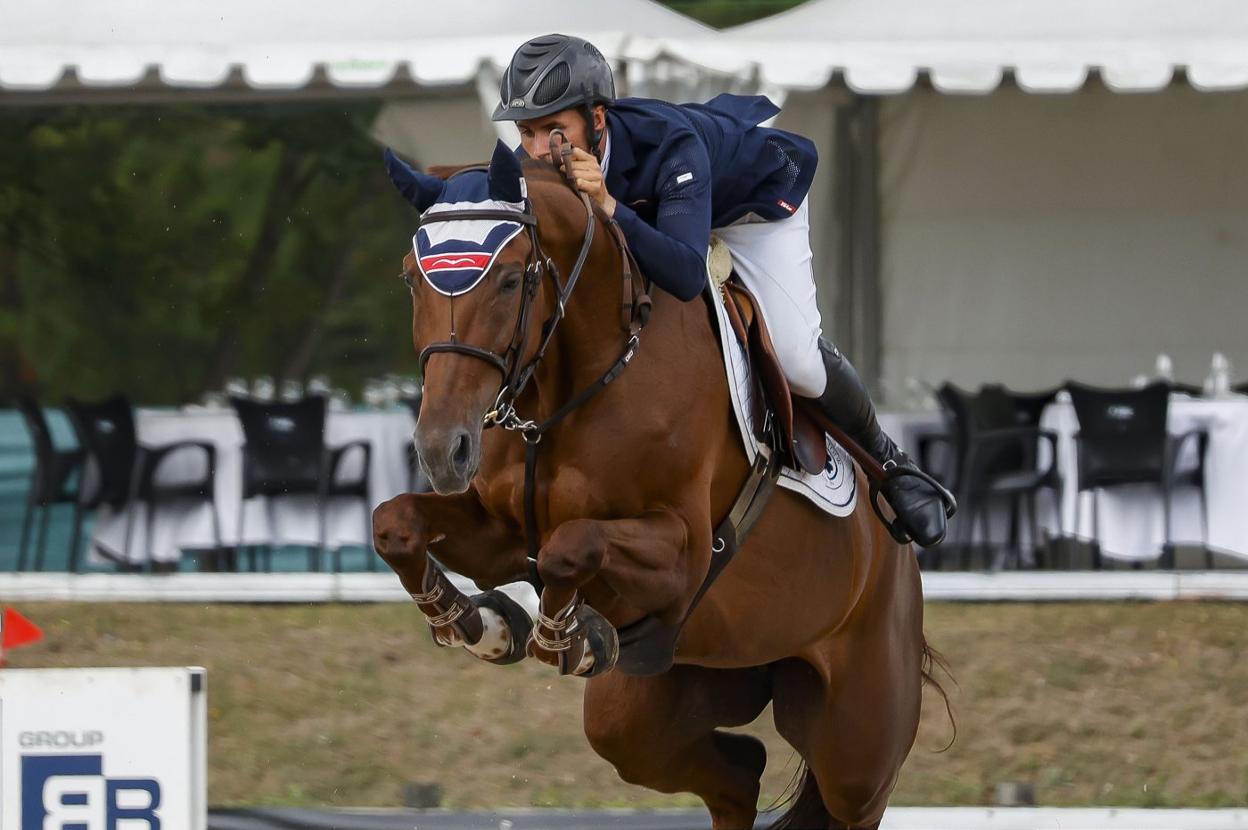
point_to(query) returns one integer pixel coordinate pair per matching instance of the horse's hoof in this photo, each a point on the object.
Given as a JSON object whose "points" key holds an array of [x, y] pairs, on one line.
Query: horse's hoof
{"points": [[442, 639], [601, 640], [514, 617]]}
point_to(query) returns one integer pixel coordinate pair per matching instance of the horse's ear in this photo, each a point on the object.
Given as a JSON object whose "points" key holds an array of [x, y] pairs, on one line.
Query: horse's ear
{"points": [[421, 189], [506, 176]]}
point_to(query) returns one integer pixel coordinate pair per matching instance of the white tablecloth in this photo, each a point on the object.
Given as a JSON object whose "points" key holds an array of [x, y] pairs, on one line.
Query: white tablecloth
{"points": [[186, 525], [1131, 517]]}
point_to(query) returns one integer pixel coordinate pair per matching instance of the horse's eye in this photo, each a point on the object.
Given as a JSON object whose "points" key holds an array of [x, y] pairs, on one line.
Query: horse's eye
{"points": [[511, 281], [407, 278]]}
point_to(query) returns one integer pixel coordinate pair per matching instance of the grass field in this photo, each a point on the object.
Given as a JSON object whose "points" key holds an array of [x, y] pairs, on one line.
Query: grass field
{"points": [[1114, 704]]}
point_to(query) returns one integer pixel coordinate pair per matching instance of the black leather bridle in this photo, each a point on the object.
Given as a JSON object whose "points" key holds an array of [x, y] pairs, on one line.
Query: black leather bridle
{"points": [[514, 375], [634, 314]]}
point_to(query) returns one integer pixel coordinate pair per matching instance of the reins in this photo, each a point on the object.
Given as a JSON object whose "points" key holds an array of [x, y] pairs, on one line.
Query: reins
{"points": [[634, 314]]}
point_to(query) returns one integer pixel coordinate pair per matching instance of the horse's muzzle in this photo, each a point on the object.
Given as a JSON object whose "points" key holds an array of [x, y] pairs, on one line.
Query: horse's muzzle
{"points": [[450, 457]]}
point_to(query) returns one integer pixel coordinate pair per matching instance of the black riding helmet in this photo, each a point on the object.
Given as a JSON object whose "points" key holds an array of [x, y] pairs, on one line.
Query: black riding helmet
{"points": [[552, 73]]}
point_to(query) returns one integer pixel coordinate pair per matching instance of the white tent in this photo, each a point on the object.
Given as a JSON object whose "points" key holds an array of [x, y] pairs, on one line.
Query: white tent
{"points": [[1018, 234], [883, 46], [286, 44], [437, 62]]}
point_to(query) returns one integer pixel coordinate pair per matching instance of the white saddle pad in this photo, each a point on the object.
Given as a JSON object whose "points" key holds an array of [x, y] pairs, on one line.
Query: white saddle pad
{"points": [[835, 490]]}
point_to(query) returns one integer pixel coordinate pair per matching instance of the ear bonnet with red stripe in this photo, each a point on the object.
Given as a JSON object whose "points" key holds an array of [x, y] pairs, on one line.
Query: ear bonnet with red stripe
{"points": [[455, 255]]}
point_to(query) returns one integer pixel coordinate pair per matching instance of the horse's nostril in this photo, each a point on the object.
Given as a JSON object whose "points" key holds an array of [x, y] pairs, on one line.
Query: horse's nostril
{"points": [[459, 452]]}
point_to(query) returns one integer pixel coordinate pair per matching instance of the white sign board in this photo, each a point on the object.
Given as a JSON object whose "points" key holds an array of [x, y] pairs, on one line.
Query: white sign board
{"points": [[103, 749]]}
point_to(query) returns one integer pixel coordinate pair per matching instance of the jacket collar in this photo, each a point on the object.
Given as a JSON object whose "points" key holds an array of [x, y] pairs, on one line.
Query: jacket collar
{"points": [[622, 159]]}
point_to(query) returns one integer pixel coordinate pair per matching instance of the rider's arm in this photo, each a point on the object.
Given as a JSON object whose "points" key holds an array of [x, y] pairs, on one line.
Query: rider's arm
{"points": [[673, 252]]}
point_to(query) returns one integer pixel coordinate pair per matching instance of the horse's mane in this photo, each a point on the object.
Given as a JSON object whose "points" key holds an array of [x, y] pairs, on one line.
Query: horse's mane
{"points": [[445, 171], [533, 169], [536, 171], [539, 170]]}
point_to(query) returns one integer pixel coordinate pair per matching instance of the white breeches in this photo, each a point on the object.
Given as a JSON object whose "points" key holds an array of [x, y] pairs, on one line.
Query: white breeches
{"points": [[773, 259]]}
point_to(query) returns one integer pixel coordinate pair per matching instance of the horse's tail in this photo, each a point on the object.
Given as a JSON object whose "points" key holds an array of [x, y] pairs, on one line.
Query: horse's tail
{"points": [[932, 662], [805, 804]]}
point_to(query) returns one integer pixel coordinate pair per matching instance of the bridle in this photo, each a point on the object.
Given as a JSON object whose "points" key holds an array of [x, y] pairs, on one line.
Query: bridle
{"points": [[634, 314], [516, 375], [507, 363]]}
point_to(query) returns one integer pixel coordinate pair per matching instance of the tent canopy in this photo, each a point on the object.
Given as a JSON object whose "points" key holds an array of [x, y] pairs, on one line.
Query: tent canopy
{"points": [[284, 44], [884, 46], [878, 46]]}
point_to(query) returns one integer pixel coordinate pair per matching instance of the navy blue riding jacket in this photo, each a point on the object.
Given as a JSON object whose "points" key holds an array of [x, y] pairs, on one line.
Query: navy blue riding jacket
{"points": [[678, 170]]}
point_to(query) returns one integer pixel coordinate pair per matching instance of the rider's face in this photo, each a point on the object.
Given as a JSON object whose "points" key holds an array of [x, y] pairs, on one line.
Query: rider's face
{"points": [[535, 132]]}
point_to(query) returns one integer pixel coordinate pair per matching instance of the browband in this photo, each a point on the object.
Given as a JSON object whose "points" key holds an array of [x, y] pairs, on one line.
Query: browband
{"points": [[525, 218]]}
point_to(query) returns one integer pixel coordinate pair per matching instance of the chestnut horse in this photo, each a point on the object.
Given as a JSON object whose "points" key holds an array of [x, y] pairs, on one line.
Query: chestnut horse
{"points": [[820, 616]]}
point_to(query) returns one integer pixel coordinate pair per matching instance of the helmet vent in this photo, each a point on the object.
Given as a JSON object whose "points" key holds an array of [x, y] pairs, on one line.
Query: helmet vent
{"points": [[554, 85]]}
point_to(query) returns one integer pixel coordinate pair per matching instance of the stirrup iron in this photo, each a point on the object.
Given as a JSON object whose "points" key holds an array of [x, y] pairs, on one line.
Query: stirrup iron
{"points": [[895, 471]]}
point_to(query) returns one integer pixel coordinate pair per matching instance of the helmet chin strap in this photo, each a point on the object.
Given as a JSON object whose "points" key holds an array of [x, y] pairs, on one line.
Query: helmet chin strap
{"points": [[595, 135]]}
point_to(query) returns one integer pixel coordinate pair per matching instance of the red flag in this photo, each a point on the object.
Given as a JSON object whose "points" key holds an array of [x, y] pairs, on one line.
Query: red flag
{"points": [[18, 631]]}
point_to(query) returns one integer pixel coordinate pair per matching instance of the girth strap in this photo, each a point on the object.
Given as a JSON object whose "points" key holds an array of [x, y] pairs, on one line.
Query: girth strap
{"points": [[736, 526], [648, 646]]}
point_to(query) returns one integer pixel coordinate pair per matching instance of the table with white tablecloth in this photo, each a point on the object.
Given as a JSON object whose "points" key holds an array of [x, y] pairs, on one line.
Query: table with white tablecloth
{"points": [[1130, 524], [1131, 517], [289, 520]]}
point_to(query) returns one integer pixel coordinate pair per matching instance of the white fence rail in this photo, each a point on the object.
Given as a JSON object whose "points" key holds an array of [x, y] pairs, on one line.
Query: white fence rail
{"points": [[1063, 586]]}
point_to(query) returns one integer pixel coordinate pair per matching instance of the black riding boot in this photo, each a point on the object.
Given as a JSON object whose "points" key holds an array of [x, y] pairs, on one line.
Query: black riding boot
{"points": [[845, 400]]}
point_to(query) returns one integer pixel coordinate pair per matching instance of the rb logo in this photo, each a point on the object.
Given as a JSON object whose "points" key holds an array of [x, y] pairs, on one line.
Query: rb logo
{"points": [[70, 792]]}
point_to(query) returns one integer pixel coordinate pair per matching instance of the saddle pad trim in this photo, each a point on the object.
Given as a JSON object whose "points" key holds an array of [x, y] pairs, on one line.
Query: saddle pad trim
{"points": [[835, 490]]}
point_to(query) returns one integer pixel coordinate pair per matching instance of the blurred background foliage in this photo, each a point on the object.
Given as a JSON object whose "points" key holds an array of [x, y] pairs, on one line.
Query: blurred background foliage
{"points": [[158, 250], [724, 13]]}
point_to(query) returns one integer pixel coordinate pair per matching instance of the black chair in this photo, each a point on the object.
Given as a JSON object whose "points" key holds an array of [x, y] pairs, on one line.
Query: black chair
{"points": [[1029, 410], [1028, 406], [122, 472], [995, 456], [1123, 439], [285, 454], [52, 482]]}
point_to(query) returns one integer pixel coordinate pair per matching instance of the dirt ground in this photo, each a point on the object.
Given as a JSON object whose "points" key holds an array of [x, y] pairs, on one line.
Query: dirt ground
{"points": [[1114, 704]]}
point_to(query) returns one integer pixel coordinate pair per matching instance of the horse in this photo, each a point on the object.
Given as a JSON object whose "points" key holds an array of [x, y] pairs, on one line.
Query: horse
{"points": [[820, 616]]}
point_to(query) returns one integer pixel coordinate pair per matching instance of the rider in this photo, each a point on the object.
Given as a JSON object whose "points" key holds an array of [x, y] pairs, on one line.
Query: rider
{"points": [[670, 173]]}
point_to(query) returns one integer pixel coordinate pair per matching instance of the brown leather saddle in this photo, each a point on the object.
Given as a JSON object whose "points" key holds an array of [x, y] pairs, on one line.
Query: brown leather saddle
{"points": [[776, 418]]}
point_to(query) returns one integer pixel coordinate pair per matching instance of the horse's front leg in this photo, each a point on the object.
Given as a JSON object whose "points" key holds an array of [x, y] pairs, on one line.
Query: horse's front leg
{"points": [[459, 532], [640, 559]]}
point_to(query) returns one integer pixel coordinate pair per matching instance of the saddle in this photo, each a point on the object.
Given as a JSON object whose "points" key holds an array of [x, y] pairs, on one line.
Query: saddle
{"points": [[777, 421]]}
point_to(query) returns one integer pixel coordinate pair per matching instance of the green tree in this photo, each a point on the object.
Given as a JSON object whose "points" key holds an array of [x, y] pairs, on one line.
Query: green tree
{"points": [[156, 251], [724, 13]]}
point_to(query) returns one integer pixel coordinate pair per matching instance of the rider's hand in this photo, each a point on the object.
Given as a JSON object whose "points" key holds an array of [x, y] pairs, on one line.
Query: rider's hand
{"points": [[589, 179]]}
